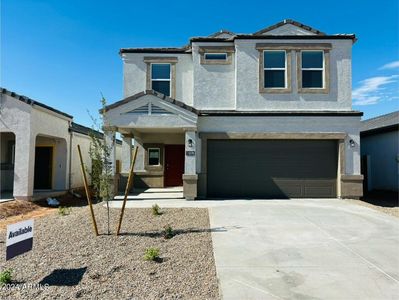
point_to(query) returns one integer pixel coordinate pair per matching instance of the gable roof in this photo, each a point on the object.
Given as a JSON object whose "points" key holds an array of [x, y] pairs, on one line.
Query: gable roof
{"points": [[32, 102], [382, 123], [150, 92], [289, 21], [221, 33]]}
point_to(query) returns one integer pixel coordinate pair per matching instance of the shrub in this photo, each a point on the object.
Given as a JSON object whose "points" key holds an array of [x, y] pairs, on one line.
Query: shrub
{"points": [[168, 232], [5, 276], [63, 210], [156, 210], [151, 254]]}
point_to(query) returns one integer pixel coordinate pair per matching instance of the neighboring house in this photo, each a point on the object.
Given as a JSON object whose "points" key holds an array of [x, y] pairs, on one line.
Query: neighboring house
{"points": [[380, 152], [39, 148], [261, 115]]}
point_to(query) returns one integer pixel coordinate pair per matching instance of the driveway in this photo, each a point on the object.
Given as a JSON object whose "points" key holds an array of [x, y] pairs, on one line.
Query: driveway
{"points": [[304, 249]]}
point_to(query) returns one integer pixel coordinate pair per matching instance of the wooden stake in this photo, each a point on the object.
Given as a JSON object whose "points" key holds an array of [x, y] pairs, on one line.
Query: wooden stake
{"points": [[128, 187], [82, 167]]}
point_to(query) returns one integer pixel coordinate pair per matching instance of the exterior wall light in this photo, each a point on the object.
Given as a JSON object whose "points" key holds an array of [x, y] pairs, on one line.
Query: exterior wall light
{"points": [[190, 143], [352, 143]]}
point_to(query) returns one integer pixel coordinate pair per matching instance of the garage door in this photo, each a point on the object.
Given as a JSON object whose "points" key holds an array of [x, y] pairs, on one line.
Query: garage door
{"points": [[272, 168]]}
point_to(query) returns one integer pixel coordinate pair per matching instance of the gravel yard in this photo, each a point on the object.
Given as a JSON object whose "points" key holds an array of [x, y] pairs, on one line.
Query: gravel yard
{"points": [[384, 201], [393, 211], [75, 264]]}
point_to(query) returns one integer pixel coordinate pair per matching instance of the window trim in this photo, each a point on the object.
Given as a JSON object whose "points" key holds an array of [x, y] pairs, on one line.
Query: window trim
{"points": [[226, 49], [148, 156], [274, 90], [162, 80], [149, 60], [325, 72]]}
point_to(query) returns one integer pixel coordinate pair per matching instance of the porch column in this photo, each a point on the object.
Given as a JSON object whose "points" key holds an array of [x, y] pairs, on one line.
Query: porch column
{"points": [[110, 141], [190, 176], [126, 153], [126, 160], [24, 167]]}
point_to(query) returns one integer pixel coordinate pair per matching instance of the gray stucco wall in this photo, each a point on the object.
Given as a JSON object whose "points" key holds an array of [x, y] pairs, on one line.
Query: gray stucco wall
{"points": [[383, 149], [214, 85], [135, 70], [236, 85], [247, 87]]}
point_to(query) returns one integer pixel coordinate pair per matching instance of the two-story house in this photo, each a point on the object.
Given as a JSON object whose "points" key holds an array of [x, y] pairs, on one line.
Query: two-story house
{"points": [[261, 115]]}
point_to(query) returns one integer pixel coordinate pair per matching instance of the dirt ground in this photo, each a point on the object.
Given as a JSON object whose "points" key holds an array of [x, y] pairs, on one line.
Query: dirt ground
{"points": [[19, 210]]}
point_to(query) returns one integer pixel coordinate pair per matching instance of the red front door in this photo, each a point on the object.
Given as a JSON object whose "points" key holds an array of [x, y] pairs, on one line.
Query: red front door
{"points": [[174, 165]]}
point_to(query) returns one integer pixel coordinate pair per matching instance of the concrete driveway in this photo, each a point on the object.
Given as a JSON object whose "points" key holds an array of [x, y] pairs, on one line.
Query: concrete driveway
{"points": [[304, 249]]}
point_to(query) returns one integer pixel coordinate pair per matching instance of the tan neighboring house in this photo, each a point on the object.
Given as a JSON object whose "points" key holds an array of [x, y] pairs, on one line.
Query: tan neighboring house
{"points": [[38, 149], [260, 115]]}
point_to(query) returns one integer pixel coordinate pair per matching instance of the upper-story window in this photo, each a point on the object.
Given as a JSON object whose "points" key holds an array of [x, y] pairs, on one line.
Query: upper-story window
{"points": [[312, 69], [275, 69], [161, 74], [161, 78], [215, 56]]}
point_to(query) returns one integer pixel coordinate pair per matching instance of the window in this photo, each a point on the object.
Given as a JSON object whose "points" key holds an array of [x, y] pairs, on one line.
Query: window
{"points": [[215, 56], [161, 78], [154, 155], [312, 69], [274, 69]]}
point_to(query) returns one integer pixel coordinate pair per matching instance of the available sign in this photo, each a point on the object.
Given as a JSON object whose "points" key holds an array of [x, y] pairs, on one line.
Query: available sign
{"points": [[19, 238]]}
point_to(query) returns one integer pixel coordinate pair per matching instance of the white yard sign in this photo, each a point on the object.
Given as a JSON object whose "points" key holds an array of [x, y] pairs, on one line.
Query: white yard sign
{"points": [[19, 238]]}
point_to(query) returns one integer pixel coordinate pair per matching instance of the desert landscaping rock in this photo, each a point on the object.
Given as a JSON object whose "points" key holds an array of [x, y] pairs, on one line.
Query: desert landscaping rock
{"points": [[393, 211], [75, 264]]}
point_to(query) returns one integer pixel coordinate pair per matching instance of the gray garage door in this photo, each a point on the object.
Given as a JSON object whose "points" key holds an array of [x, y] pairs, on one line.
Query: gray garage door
{"points": [[272, 168]]}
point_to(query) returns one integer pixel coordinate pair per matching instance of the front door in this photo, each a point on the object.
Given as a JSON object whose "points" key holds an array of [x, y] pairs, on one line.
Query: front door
{"points": [[43, 168], [174, 165]]}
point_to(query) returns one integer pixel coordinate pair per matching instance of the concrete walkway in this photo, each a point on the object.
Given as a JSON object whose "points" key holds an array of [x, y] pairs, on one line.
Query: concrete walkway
{"points": [[300, 249], [154, 194]]}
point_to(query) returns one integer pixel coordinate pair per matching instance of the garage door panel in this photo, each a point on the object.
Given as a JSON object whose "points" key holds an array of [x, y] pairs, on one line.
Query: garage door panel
{"points": [[272, 168]]}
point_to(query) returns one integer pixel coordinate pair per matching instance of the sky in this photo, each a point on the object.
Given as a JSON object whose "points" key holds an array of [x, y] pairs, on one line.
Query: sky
{"points": [[65, 53]]}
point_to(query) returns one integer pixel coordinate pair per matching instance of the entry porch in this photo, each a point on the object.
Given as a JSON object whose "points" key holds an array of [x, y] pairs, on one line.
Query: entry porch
{"points": [[165, 134]]}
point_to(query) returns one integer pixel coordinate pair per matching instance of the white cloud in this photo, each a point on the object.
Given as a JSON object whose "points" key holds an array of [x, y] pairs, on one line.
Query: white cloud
{"points": [[391, 65], [372, 90]]}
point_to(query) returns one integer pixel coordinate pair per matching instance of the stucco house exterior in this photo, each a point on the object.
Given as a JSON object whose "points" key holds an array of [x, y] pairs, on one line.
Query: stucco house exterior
{"points": [[38, 148], [260, 115], [380, 152]]}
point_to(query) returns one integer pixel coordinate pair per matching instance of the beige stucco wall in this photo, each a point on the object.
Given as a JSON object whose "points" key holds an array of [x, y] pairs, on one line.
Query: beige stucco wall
{"points": [[34, 126], [28, 123], [84, 142]]}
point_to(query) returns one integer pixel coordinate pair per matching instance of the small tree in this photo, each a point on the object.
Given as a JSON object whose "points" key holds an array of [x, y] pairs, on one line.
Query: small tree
{"points": [[100, 154]]}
